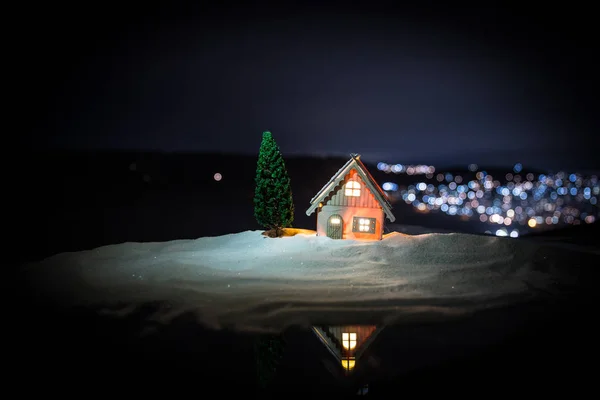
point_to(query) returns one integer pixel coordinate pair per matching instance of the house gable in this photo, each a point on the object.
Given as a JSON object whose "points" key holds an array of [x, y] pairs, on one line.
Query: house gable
{"points": [[364, 336], [337, 196], [371, 193], [353, 346]]}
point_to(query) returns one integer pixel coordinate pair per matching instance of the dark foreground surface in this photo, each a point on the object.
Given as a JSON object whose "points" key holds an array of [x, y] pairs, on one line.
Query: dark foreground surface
{"points": [[542, 348]]}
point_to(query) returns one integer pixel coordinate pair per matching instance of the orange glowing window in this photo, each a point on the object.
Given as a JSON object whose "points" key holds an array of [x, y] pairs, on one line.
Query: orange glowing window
{"points": [[349, 340], [348, 364], [352, 189]]}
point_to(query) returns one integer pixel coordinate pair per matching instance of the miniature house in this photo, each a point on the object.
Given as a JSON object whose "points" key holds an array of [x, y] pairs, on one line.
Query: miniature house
{"points": [[347, 343], [351, 205]]}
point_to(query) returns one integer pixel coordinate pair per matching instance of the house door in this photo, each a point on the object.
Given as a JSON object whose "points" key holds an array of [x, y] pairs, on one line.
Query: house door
{"points": [[335, 226]]}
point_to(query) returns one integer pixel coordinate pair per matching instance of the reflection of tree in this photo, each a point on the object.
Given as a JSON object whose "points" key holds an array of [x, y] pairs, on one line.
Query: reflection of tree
{"points": [[269, 351]]}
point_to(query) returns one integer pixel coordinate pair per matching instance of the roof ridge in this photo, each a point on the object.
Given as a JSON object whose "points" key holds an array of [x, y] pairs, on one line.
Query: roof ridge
{"points": [[378, 192]]}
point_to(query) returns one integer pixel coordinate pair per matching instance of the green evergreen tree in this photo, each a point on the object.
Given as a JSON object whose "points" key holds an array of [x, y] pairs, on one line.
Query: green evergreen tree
{"points": [[269, 351], [273, 204]]}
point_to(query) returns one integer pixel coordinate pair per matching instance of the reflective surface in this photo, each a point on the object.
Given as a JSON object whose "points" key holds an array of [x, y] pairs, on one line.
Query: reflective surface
{"points": [[536, 348]]}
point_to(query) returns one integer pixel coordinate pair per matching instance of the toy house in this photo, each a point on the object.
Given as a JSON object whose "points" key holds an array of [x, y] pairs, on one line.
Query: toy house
{"points": [[351, 205]]}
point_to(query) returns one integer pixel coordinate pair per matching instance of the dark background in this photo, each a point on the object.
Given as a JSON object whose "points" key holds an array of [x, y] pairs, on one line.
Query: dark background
{"points": [[429, 83]]}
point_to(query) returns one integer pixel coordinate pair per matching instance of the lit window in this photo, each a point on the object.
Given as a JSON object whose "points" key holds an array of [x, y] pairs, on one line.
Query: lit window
{"points": [[349, 340], [348, 364], [364, 225], [335, 221], [352, 189]]}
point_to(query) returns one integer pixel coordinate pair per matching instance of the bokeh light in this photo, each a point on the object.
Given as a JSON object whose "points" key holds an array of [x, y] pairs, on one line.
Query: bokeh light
{"points": [[520, 201]]}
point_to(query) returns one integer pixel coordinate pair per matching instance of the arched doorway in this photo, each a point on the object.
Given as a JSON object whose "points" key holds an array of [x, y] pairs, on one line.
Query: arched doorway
{"points": [[335, 225]]}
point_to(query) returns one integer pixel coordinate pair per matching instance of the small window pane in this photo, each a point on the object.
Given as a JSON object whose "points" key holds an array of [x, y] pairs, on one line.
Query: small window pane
{"points": [[361, 224], [352, 189]]}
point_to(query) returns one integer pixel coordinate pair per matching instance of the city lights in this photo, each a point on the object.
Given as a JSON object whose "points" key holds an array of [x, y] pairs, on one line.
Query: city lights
{"points": [[406, 169], [516, 202]]}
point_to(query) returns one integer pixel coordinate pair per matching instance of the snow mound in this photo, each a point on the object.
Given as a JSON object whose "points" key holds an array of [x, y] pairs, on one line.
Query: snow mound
{"points": [[250, 282]]}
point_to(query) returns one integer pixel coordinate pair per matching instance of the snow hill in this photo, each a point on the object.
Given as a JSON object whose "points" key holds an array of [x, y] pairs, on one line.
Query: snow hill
{"points": [[247, 281]]}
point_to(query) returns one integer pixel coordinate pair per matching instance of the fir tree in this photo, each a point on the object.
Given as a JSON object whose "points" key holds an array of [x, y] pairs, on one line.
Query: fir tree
{"points": [[269, 351], [273, 205]]}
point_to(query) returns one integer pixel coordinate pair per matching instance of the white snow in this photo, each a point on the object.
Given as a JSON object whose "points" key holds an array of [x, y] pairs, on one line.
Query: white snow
{"points": [[250, 282]]}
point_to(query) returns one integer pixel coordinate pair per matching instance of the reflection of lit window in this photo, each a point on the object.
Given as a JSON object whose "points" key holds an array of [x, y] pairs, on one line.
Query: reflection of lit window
{"points": [[349, 340], [365, 225], [348, 364], [335, 221], [352, 189]]}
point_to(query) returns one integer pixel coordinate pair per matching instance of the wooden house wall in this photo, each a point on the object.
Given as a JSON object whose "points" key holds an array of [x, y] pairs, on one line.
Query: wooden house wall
{"points": [[338, 196], [347, 214]]}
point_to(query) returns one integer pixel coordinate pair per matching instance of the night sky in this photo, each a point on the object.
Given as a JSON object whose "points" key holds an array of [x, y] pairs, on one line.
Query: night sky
{"points": [[398, 84]]}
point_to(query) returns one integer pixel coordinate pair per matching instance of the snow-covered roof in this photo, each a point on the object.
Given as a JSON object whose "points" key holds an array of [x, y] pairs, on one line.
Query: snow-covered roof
{"points": [[353, 163]]}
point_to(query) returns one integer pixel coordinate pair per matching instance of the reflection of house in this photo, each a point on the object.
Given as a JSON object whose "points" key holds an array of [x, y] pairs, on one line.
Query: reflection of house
{"points": [[347, 342], [351, 205]]}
